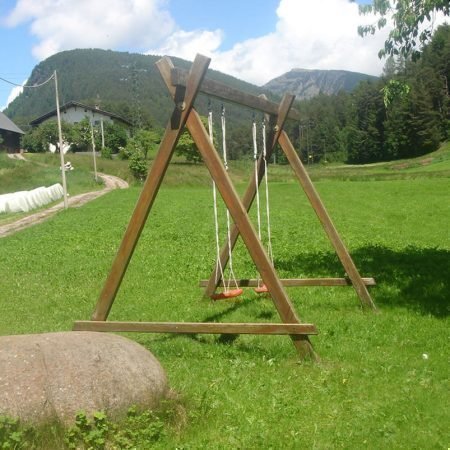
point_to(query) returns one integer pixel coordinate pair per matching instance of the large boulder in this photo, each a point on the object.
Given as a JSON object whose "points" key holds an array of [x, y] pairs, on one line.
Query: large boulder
{"points": [[51, 376]]}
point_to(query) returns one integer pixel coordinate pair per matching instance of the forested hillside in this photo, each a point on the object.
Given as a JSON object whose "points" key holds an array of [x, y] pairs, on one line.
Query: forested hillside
{"points": [[125, 83], [403, 114]]}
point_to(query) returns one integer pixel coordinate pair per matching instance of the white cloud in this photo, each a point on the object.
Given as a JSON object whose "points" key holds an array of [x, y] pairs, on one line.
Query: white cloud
{"points": [[15, 92], [186, 44], [65, 24], [310, 34]]}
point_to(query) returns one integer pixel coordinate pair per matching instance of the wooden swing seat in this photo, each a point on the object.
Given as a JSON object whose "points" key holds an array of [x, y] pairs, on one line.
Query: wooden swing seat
{"points": [[261, 289], [231, 293]]}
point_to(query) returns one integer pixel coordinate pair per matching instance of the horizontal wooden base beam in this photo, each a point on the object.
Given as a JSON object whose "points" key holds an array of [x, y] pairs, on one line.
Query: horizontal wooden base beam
{"points": [[197, 327], [292, 282]]}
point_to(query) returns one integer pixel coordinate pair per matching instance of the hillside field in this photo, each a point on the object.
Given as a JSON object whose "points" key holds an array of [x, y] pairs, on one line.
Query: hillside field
{"points": [[382, 381]]}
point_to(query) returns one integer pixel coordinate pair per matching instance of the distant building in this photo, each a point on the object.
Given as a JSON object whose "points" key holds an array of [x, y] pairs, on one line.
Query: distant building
{"points": [[10, 134], [74, 112]]}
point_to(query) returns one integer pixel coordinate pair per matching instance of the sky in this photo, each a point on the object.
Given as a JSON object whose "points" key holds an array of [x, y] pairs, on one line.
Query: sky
{"points": [[254, 40]]}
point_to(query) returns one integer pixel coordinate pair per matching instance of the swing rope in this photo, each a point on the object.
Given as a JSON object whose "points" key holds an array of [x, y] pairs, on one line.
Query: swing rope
{"points": [[225, 163], [219, 268], [262, 288], [255, 159], [227, 292], [266, 179]]}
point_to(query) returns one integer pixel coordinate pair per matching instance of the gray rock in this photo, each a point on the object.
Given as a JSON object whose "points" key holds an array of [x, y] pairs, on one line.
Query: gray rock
{"points": [[54, 375]]}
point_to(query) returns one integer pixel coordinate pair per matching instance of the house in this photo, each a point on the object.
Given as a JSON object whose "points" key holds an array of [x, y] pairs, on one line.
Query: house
{"points": [[74, 112], [10, 134]]}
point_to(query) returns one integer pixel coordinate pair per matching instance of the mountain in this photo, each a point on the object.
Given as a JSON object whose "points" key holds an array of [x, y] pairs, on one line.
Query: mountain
{"points": [[309, 83], [129, 84], [120, 82]]}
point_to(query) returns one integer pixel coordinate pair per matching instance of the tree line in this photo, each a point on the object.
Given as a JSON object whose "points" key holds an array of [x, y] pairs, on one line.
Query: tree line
{"points": [[403, 114]]}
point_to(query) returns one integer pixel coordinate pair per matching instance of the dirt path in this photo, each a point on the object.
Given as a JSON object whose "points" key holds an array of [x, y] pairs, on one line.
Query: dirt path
{"points": [[111, 182], [16, 156]]}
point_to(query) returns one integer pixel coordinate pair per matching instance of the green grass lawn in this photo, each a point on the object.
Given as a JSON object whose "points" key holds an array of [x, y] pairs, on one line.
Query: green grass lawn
{"points": [[383, 379]]}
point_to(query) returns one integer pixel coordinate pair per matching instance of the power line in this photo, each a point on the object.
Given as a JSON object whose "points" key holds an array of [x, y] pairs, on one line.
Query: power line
{"points": [[28, 85]]}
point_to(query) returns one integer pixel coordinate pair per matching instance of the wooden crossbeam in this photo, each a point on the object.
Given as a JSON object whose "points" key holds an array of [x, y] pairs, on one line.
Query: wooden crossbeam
{"points": [[293, 282], [222, 91], [197, 327]]}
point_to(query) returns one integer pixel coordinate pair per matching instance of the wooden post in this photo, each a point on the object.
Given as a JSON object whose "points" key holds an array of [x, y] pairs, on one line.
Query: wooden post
{"points": [[61, 152], [325, 220], [93, 151], [247, 231], [150, 189]]}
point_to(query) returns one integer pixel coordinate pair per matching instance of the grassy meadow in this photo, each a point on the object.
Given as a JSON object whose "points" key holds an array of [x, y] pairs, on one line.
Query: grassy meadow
{"points": [[382, 381]]}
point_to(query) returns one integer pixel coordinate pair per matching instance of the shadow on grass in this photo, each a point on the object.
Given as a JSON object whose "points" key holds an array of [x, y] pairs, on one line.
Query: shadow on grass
{"points": [[226, 339], [415, 278]]}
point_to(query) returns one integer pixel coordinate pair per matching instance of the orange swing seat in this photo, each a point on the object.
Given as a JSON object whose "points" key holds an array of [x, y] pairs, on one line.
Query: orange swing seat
{"points": [[261, 289], [231, 293]]}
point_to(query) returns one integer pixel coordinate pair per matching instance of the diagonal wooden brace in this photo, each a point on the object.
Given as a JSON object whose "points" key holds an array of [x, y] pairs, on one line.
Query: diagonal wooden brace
{"points": [[151, 186]]}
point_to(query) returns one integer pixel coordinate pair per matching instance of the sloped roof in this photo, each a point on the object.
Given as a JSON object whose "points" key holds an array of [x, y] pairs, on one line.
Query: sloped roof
{"points": [[7, 124], [79, 105]]}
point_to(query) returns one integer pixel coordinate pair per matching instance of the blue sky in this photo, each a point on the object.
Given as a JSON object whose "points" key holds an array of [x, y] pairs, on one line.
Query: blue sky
{"points": [[254, 40]]}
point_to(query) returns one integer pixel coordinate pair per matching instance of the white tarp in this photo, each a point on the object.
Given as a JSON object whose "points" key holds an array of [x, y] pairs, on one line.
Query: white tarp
{"points": [[24, 201]]}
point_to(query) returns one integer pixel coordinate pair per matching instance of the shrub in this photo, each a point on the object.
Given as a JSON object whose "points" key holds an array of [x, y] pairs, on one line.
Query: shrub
{"points": [[138, 166], [106, 153]]}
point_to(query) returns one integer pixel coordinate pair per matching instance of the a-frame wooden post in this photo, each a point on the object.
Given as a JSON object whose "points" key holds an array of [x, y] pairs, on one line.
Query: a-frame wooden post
{"points": [[184, 114], [327, 224], [184, 102]]}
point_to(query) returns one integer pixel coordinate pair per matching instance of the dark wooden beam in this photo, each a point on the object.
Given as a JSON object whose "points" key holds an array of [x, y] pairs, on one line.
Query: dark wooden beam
{"points": [[293, 282], [222, 91]]}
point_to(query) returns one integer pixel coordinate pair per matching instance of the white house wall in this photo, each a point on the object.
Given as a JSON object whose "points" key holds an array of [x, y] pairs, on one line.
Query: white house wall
{"points": [[77, 114]]}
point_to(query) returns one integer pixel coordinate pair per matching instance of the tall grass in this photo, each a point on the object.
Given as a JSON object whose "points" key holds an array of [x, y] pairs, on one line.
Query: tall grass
{"points": [[383, 379]]}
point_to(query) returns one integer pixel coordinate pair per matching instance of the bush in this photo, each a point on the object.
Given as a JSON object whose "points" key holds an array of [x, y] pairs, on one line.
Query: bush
{"points": [[138, 166], [14, 436], [98, 433], [106, 153], [38, 139]]}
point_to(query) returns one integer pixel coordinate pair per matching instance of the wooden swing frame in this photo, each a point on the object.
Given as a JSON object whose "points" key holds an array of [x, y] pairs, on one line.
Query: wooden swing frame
{"points": [[183, 87]]}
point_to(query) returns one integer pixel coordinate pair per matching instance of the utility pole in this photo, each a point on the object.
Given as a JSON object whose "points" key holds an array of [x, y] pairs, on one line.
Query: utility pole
{"points": [[61, 152], [93, 151], [103, 133]]}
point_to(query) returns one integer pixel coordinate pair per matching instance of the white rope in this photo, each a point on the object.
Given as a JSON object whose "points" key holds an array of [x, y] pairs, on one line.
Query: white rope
{"points": [[258, 208], [219, 269], [225, 163], [266, 178], [266, 182], [255, 158]]}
